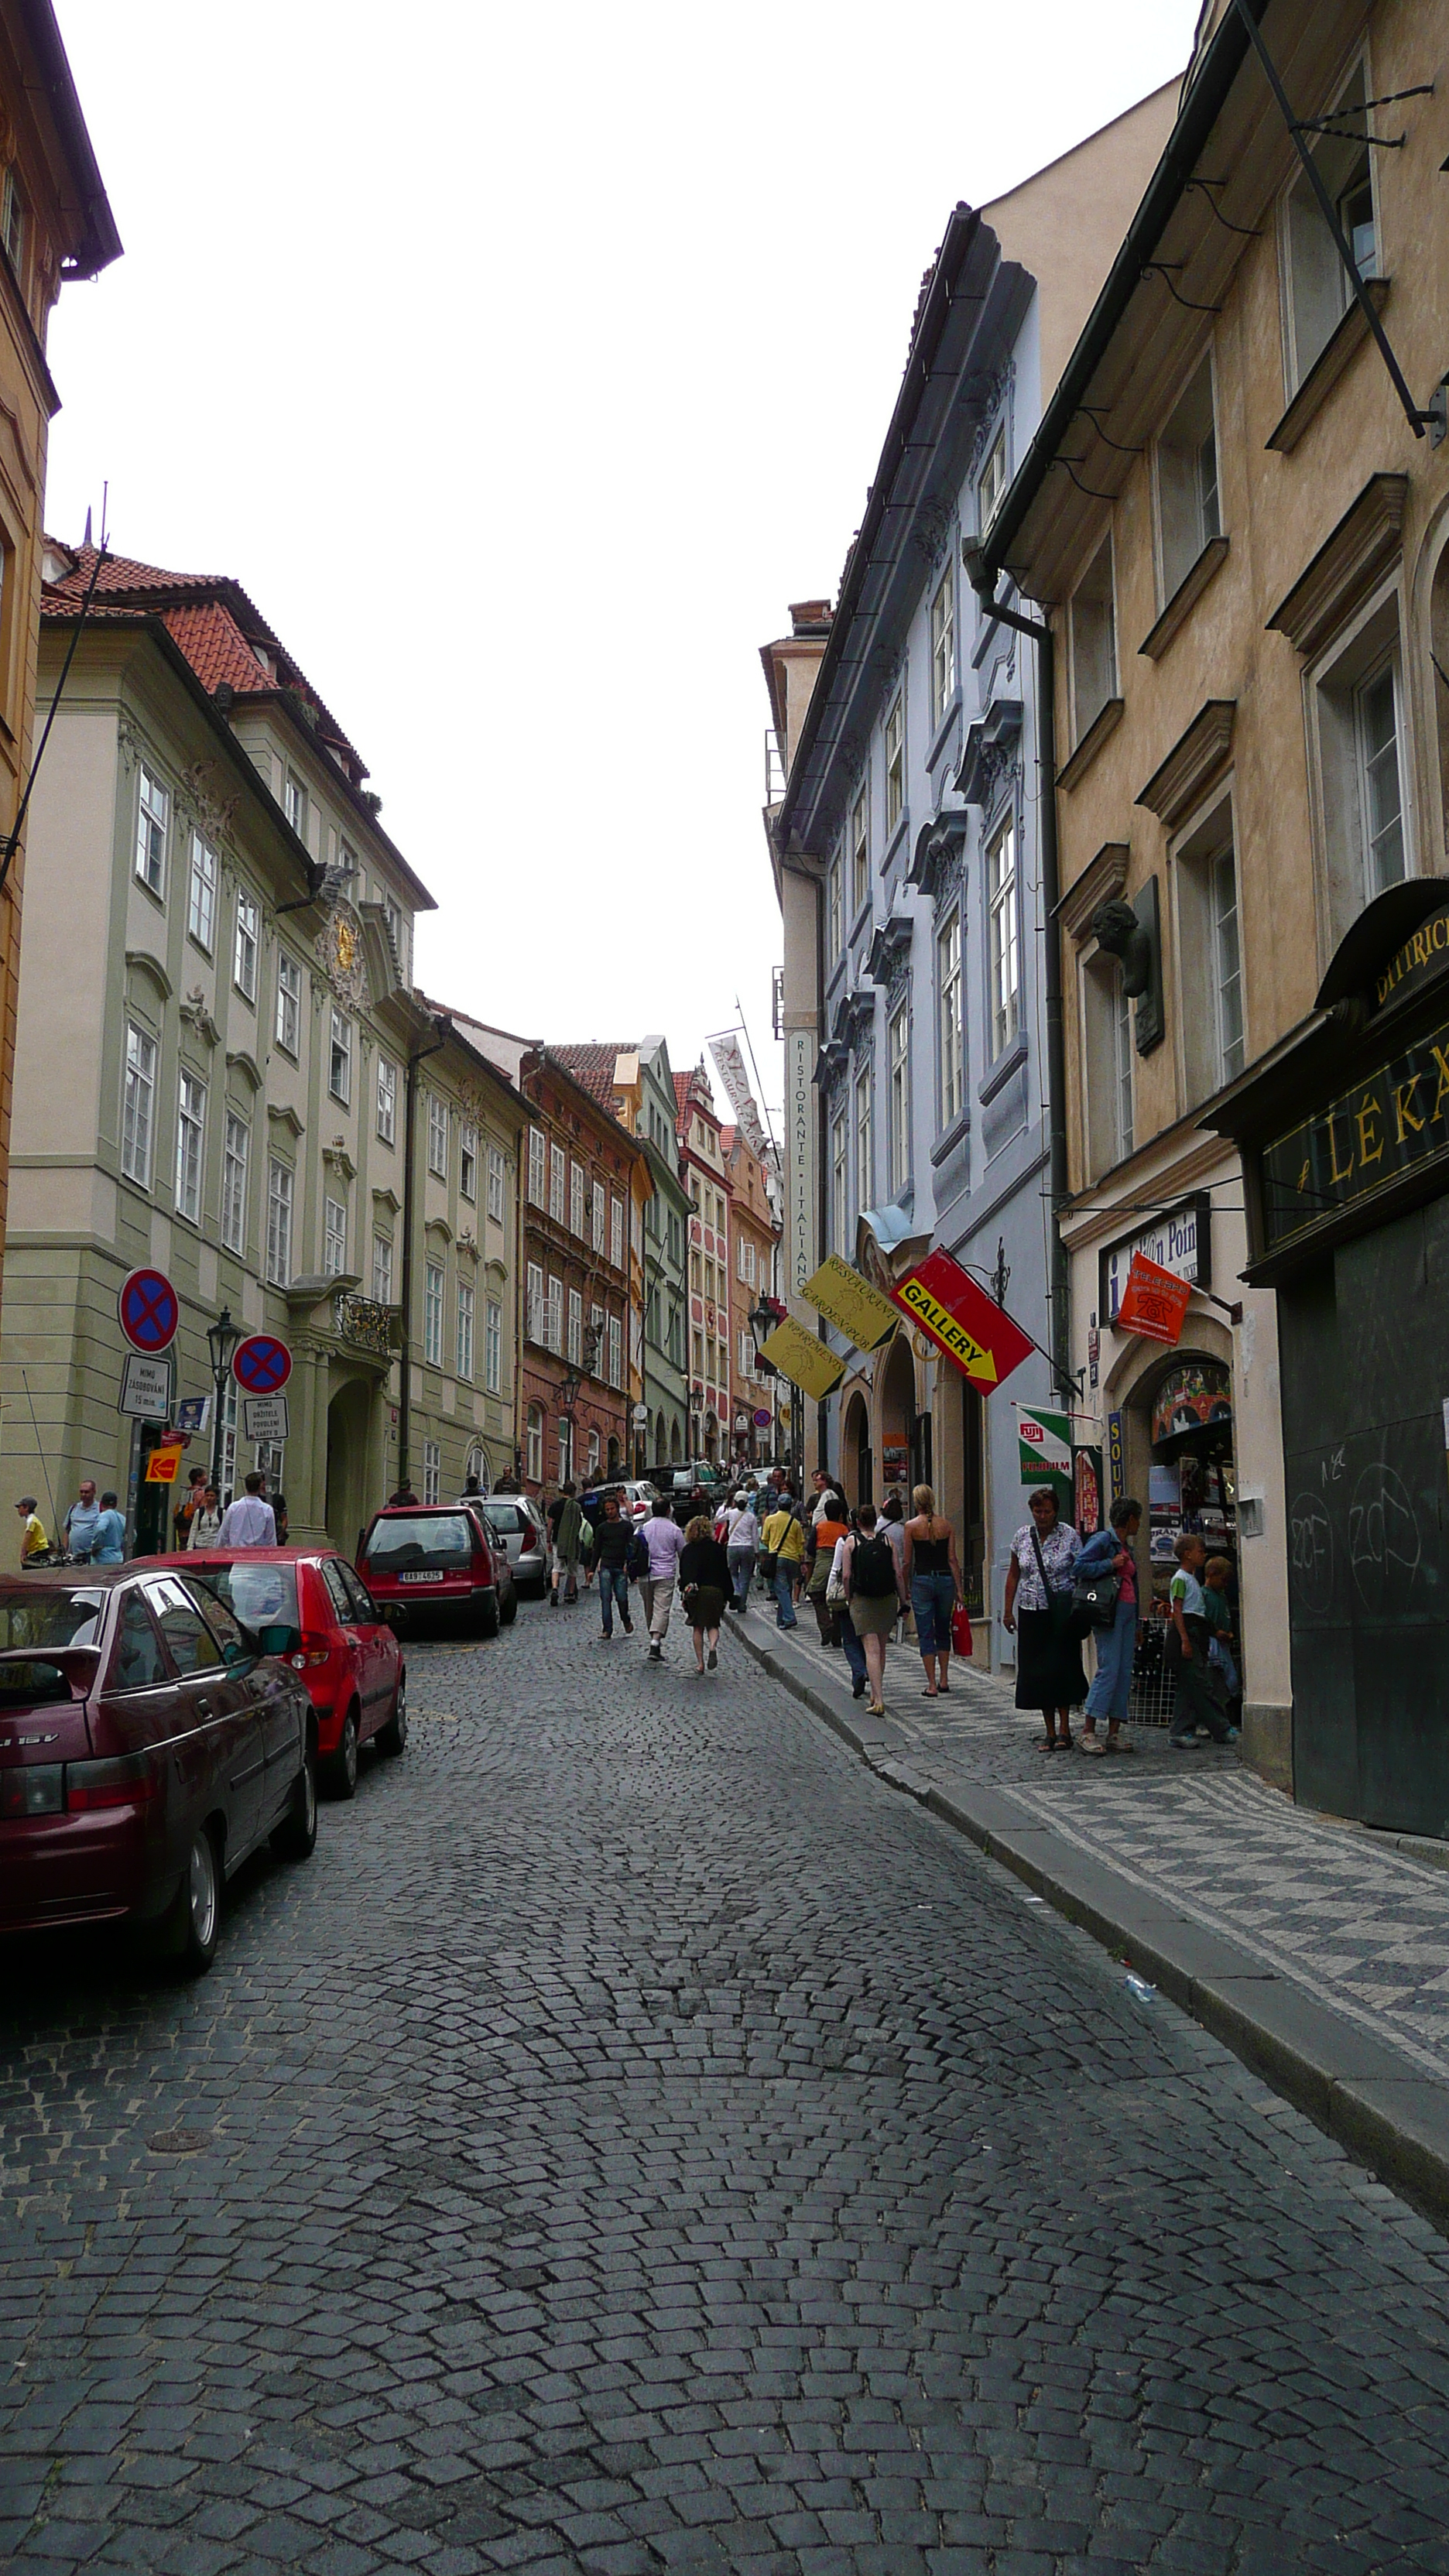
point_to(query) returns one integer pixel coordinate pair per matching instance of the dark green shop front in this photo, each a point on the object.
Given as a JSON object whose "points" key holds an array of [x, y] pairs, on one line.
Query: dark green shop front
{"points": [[1345, 1138]]}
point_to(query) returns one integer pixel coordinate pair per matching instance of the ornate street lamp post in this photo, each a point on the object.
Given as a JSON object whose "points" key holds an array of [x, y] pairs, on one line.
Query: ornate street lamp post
{"points": [[221, 1340]]}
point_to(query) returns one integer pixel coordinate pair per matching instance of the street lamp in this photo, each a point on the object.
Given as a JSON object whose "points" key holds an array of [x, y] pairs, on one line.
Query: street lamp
{"points": [[221, 1340]]}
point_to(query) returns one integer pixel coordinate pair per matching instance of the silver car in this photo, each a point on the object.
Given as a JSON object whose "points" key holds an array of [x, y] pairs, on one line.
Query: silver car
{"points": [[521, 1531]]}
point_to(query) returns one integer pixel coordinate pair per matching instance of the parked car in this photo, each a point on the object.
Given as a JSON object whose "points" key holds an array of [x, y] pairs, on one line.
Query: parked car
{"points": [[336, 1638], [423, 1559], [521, 1530], [637, 1498], [147, 1746]]}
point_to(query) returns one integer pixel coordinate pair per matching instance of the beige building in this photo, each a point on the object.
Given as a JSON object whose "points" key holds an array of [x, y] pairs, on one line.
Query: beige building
{"points": [[1247, 576], [223, 1070], [755, 1229], [55, 226]]}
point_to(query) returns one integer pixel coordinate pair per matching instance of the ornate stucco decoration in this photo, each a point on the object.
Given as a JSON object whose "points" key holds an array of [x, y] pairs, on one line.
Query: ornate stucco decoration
{"points": [[131, 740], [938, 860], [340, 955], [992, 753], [194, 1011], [196, 797], [996, 400], [932, 530]]}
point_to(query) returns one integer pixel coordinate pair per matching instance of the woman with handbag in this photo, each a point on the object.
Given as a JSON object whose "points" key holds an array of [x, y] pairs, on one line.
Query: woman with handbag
{"points": [[1110, 1555], [826, 1530], [1039, 1607], [932, 1573], [704, 1575]]}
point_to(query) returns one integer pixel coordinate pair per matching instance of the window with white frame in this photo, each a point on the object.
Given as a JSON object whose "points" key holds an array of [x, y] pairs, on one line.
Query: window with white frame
{"points": [[12, 226], [616, 1233], [281, 1197], [553, 1330], [138, 1108], [382, 1269], [864, 1137], [575, 1342], [593, 1452], [536, 1314], [537, 1167], [151, 825], [347, 862], [1210, 953], [465, 1330], [835, 912], [386, 1101], [1188, 511], [899, 1058], [432, 1471], [595, 1354], [948, 1010], [943, 644], [1379, 725], [557, 1182], [740, 1258], [1364, 764], [991, 481], [248, 938], [437, 1136], [497, 1185], [598, 1216], [468, 1161], [433, 1314], [294, 799], [1094, 642], [576, 1199], [201, 894], [616, 1352], [289, 1002], [493, 1346], [895, 761], [839, 1186], [236, 1153], [190, 1144], [859, 853], [339, 1057], [535, 1444], [334, 1236], [1316, 292], [1107, 1038], [565, 1450], [1003, 933]]}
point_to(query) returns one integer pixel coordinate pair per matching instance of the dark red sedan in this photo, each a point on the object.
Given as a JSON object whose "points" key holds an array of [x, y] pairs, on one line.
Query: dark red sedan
{"points": [[427, 1559], [336, 1639], [147, 1745]]}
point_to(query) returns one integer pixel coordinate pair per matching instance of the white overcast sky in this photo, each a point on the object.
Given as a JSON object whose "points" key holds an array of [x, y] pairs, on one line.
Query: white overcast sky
{"points": [[523, 363]]}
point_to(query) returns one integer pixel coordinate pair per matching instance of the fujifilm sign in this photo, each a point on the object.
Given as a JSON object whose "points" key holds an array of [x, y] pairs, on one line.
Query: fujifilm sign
{"points": [[1180, 1240]]}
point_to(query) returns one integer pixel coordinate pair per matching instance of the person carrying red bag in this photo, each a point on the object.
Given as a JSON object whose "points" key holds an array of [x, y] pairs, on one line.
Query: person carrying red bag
{"points": [[933, 1571]]}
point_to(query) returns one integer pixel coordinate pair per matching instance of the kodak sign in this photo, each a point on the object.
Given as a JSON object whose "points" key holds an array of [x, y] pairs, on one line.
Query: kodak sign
{"points": [[965, 1324]]}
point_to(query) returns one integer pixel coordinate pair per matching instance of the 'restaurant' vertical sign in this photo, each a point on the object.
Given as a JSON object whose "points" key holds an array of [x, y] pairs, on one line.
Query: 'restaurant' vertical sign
{"points": [[800, 1050]]}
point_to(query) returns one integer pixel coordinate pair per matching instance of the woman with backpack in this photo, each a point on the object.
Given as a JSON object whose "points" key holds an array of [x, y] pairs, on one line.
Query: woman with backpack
{"points": [[874, 1594], [932, 1575], [1043, 1569]]}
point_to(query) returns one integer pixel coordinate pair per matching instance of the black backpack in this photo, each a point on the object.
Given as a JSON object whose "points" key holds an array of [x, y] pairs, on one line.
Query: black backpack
{"points": [[873, 1568]]}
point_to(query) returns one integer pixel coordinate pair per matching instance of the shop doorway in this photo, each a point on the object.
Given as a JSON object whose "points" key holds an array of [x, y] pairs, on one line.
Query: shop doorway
{"points": [[970, 1515], [349, 1504], [855, 1455], [1180, 1463], [898, 1419]]}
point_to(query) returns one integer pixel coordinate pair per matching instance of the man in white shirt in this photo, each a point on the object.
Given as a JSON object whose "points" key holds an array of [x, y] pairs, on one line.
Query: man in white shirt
{"points": [[824, 1487], [249, 1521], [664, 1539]]}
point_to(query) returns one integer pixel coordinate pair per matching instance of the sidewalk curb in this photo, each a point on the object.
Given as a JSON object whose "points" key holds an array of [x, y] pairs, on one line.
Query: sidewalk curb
{"points": [[1351, 2084]]}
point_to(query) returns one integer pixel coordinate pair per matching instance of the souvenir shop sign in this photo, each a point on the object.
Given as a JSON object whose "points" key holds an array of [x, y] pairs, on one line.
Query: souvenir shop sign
{"points": [[1189, 1397], [1155, 1302], [1362, 1142], [962, 1321], [804, 1359], [851, 1304], [1179, 1240]]}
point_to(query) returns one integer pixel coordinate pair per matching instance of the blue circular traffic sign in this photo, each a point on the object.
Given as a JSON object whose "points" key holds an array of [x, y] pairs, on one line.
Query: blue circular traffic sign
{"points": [[262, 1364], [149, 1309]]}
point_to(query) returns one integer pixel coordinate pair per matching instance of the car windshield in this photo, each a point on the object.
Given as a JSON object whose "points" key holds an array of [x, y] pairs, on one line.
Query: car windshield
{"points": [[30, 1616], [259, 1592], [507, 1519], [419, 1541]]}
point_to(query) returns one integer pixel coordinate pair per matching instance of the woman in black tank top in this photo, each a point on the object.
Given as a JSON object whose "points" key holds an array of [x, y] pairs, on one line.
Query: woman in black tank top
{"points": [[933, 1571]]}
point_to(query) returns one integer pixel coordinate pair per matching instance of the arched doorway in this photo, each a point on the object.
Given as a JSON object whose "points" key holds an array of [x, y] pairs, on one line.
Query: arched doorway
{"points": [[613, 1457], [855, 1456], [477, 1465], [711, 1438], [674, 1443], [349, 1503], [898, 1433]]}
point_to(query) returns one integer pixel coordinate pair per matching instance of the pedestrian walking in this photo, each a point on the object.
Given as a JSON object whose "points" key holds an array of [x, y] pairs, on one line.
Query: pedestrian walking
{"points": [[664, 1540], [1110, 1553], [279, 1515], [873, 1590], [822, 1486], [565, 1530], [403, 1498], [850, 1645], [109, 1547], [250, 1520], [1038, 1606], [207, 1519], [609, 1559], [821, 1541], [1217, 1575], [931, 1573], [704, 1577], [33, 1540], [742, 1539], [188, 1507], [80, 1523], [1185, 1654], [782, 1541]]}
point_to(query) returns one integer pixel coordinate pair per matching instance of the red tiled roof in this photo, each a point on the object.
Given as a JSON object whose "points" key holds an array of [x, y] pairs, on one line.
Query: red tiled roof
{"points": [[592, 1068]]}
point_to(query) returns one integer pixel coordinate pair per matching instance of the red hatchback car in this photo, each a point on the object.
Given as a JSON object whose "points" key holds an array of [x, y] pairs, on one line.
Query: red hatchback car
{"points": [[336, 1639], [424, 1558]]}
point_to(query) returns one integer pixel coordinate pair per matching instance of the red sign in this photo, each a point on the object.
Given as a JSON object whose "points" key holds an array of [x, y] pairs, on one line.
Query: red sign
{"points": [[962, 1320], [1154, 1301]]}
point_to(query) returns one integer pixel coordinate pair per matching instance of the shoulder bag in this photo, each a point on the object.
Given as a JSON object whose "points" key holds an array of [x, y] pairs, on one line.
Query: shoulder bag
{"points": [[1060, 1607], [1094, 1601]]}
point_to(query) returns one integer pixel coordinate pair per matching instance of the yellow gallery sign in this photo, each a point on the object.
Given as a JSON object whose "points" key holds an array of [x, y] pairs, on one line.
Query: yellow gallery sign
{"points": [[850, 1303], [803, 1358]]}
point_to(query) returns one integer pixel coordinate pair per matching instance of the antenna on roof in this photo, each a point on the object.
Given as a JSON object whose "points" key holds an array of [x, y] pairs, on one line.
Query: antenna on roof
{"points": [[105, 508], [86, 539]]}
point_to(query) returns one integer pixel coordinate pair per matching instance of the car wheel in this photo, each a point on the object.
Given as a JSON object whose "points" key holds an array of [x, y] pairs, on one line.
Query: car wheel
{"points": [[488, 1614], [195, 1917], [340, 1772], [509, 1609], [296, 1836], [393, 1736]]}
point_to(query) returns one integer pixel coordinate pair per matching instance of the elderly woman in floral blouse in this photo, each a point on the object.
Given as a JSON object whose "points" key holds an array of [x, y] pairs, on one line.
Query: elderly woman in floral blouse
{"points": [[1049, 1673]]}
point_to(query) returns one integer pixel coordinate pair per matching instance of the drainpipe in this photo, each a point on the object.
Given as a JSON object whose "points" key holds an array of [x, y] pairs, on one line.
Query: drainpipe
{"points": [[983, 583], [405, 1399]]}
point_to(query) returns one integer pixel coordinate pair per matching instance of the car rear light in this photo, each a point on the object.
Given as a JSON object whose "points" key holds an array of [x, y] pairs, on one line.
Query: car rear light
{"points": [[312, 1652], [32, 1789], [132, 1781]]}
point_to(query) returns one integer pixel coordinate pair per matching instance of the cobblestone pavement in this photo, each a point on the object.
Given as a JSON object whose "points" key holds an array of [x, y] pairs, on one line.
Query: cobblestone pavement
{"points": [[641, 2141], [1358, 1923]]}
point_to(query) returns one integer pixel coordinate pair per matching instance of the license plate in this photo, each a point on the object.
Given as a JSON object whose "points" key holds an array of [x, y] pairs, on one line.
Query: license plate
{"points": [[421, 1578]]}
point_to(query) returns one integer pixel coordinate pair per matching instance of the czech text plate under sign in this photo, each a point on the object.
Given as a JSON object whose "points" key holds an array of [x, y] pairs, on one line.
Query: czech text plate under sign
{"points": [[962, 1321]]}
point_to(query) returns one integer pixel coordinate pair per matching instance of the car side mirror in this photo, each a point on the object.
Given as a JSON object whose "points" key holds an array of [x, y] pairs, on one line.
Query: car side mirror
{"points": [[278, 1640]]}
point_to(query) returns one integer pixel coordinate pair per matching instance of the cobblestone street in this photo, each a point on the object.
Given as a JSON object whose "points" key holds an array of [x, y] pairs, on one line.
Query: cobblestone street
{"points": [[640, 2140]]}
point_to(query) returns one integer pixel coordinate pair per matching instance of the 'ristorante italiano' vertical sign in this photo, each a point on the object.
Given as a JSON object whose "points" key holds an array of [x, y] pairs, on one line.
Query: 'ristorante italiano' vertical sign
{"points": [[800, 1139]]}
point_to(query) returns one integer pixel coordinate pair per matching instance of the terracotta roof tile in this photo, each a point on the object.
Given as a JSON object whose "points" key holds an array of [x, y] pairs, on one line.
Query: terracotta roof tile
{"points": [[592, 1068]]}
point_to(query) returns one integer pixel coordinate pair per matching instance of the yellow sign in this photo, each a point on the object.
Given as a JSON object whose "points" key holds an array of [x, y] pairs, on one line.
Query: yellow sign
{"points": [[945, 1329], [849, 1302], [162, 1464], [803, 1358]]}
